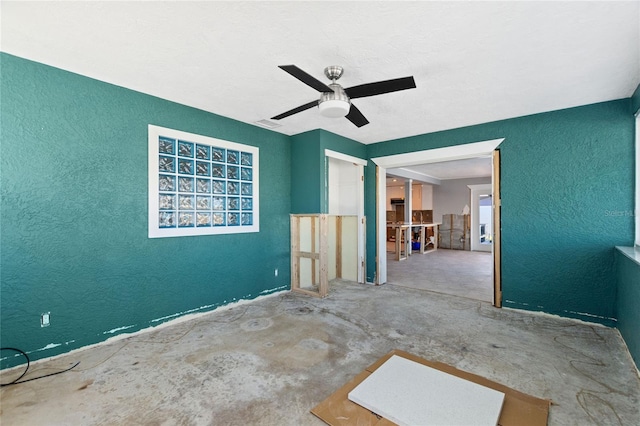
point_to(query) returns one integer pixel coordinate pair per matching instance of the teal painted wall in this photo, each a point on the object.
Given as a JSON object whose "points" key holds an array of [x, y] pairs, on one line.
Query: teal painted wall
{"points": [[74, 214], [563, 174], [370, 196], [306, 173], [73, 238], [309, 168], [628, 303], [635, 100], [341, 144]]}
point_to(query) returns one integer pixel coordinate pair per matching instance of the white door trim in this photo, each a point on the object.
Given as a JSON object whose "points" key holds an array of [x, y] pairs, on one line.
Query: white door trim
{"points": [[360, 164], [476, 191], [381, 208], [449, 153], [344, 157]]}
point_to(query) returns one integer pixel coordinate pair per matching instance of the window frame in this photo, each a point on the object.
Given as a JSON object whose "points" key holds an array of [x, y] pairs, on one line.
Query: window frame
{"points": [[238, 213]]}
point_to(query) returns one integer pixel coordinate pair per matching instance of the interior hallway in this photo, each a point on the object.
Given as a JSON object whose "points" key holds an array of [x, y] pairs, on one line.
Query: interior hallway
{"points": [[455, 272], [270, 361]]}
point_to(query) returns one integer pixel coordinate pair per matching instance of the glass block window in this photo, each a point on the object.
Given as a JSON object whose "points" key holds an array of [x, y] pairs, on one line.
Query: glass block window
{"points": [[200, 185]]}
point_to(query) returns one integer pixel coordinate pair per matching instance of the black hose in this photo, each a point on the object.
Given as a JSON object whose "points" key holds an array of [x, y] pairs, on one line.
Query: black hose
{"points": [[17, 381]]}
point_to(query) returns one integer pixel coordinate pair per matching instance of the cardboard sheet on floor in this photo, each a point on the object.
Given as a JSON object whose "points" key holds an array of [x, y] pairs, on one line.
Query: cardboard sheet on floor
{"points": [[409, 393], [519, 409]]}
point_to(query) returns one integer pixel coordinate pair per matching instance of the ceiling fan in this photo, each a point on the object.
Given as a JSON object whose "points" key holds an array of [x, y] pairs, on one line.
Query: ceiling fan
{"points": [[334, 100]]}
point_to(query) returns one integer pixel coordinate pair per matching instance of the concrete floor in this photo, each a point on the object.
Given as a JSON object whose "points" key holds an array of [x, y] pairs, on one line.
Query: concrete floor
{"points": [[270, 361], [456, 272]]}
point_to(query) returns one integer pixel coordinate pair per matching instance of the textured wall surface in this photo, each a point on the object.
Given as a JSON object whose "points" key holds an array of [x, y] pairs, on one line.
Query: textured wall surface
{"points": [[74, 214], [635, 100], [564, 175], [306, 173], [309, 168], [628, 303], [73, 159]]}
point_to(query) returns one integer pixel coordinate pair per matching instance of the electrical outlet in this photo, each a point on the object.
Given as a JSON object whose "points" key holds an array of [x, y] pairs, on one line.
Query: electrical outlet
{"points": [[275, 272], [45, 319]]}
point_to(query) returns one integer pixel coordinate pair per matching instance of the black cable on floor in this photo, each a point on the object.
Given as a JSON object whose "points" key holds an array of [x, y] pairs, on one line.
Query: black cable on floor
{"points": [[17, 381]]}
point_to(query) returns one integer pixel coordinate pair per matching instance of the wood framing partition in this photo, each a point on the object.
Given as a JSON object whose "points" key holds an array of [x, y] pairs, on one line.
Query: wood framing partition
{"points": [[323, 247], [497, 247]]}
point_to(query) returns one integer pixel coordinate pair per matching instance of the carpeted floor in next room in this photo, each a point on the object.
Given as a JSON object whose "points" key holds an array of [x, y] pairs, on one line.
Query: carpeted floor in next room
{"points": [[270, 361]]}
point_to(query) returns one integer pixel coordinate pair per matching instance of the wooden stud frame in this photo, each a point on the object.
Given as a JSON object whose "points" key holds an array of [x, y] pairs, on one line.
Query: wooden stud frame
{"points": [[316, 256], [318, 253]]}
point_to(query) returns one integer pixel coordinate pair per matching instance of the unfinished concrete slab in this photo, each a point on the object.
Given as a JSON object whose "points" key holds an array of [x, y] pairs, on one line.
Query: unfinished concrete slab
{"points": [[269, 362], [456, 272]]}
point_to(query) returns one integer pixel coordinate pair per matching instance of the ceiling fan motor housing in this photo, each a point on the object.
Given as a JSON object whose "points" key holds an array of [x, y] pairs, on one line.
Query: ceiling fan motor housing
{"points": [[333, 72], [334, 104]]}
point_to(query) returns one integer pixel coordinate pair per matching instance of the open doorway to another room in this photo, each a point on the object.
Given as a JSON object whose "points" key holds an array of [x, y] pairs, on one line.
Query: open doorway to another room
{"points": [[485, 215], [461, 260], [481, 237]]}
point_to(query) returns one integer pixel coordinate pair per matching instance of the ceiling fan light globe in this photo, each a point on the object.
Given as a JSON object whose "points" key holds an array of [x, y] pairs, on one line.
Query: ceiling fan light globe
{"points": [[334, 108]]}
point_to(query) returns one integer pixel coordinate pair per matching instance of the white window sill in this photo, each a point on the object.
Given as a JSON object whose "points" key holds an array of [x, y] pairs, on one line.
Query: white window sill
{"points": [[632, 253]]}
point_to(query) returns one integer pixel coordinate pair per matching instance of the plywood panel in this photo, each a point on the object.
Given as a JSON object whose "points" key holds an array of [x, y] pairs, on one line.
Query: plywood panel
{"points": [[497, 245], [416, 196], [295, 248], [305, 256], [307, 276], [331, 246], [349, 245], [305, 233]]}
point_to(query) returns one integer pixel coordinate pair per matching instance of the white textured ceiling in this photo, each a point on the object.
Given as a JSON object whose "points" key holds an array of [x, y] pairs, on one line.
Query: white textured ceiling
{"points": [[473, 62]]}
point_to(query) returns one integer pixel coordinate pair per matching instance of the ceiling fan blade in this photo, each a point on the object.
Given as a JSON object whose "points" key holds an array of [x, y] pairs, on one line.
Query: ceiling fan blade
{"points": [[306, 78], [356, 117], [296, 110], [380, 87]]}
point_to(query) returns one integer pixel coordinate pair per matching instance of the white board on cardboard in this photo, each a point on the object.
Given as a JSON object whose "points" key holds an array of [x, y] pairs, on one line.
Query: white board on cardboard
{"points": [[408, 393]]}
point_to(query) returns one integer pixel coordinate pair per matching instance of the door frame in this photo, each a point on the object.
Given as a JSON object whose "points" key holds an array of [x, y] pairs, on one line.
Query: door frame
{"points": [[437, 155], [476, 191], [360, 164], [497, 230]]}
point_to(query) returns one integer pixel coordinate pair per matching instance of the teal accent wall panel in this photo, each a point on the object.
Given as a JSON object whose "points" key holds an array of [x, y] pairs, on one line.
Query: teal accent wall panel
{"points": [[343, 145], [306, 173], [74, 214], [565, 174], [370, 211], [635, 101], [309, 167], [628, 303]]}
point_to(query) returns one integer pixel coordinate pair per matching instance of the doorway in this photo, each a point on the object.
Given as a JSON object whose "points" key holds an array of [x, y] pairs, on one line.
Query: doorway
{"points": [[344, 192], [458, 152], [481, 217]]}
